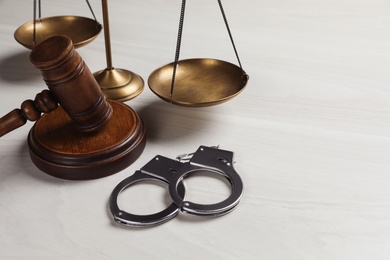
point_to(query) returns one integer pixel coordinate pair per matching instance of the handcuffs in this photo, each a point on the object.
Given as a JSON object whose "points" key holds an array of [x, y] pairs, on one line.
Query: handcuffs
{"points": [[172, 172]]}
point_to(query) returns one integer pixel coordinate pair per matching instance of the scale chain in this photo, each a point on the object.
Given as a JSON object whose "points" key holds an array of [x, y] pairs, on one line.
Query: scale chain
{"points": [[90, 8], [178, 45], [179, 37], [230, 33]]}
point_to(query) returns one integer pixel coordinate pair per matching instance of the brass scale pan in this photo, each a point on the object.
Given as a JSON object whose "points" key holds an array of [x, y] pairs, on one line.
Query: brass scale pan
{"points": [[198, 82], [81, 30]]}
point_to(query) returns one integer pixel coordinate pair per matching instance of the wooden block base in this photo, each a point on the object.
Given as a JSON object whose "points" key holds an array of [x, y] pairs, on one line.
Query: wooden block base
{"points": [[59, 149]]}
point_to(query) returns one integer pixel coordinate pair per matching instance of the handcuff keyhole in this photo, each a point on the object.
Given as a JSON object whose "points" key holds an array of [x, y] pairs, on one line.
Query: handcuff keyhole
{"points": [[224, 160]]}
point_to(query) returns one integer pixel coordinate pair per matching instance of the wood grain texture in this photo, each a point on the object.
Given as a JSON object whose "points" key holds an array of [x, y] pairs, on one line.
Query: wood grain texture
{"points": [[71, 83], [58, 148]]}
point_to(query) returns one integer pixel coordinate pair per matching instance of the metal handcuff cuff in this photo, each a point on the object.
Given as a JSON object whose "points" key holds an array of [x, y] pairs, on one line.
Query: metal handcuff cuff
{"points": [[173, 172]]}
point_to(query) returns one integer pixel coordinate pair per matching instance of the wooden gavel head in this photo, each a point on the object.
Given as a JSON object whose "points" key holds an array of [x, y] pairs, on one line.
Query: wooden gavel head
{"points": [[71, 83], [86, 136]]}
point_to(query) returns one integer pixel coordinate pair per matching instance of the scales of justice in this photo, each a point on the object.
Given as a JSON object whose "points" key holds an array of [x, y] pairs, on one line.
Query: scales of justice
{"points": [[117, 84], [82, 129]]}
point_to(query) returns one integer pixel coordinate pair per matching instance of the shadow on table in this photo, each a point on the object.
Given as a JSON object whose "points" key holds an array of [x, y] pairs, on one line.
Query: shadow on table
{"points": [[30, 169], [16, 67], [166, 122]]}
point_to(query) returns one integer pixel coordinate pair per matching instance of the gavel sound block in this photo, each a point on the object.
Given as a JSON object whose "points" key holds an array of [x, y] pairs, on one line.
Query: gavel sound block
{"points": [[86, 136]]}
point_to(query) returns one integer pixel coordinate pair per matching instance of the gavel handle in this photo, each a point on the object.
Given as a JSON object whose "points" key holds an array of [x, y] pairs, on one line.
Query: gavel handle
{"points": [[31, 110]]}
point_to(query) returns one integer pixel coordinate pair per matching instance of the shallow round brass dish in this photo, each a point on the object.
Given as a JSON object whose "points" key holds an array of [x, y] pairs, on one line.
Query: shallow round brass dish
{"points": [[198, 82], [81, 30]]}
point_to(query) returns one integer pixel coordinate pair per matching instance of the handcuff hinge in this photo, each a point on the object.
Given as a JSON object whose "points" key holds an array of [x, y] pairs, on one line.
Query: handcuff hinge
{"points": [[187, 156]]}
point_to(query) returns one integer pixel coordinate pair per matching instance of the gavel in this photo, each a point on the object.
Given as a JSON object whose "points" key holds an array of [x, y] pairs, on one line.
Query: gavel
{"points": [[81, 135]]}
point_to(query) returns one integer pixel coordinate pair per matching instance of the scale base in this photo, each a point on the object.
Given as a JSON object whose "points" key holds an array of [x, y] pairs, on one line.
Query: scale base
{"points": [[119, 84], [59, 149]]}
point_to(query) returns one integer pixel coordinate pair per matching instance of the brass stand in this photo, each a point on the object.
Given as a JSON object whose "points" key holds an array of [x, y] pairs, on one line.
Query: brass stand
{"points": [[117, 84]]}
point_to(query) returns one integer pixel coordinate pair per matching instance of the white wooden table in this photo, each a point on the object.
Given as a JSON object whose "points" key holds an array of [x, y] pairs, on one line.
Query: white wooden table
{"points": [[310, 133]]}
